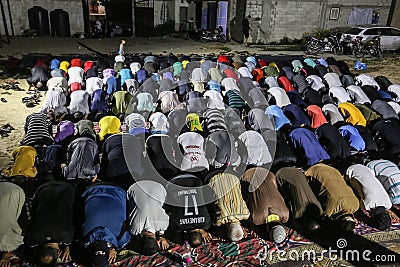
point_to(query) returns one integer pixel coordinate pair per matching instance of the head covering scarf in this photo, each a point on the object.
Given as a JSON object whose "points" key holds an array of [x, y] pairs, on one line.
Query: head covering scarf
{"points": [[109, 125], [168, 75], [65, 129], [245, 72], [352, 137], [214, 85]]}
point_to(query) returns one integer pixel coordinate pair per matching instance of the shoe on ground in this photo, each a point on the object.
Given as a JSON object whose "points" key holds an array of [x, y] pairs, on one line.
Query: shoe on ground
{"points": [[30, 104]]}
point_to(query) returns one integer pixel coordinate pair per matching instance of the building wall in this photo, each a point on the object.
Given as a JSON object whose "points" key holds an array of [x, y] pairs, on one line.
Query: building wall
{"points": [[272, 20], [19, 13], [396, 15], [383, 6]]}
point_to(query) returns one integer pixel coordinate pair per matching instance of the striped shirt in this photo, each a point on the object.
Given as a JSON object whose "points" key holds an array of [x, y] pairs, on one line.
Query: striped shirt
{"points": [[230, 204], [234, 100], [215, 120], [37, 129], [389, 175]]}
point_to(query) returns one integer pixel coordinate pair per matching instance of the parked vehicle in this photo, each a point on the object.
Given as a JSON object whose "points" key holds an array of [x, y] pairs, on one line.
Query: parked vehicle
{"points": [[216, 35], [368, 47], [390, 36], [330, 44]]}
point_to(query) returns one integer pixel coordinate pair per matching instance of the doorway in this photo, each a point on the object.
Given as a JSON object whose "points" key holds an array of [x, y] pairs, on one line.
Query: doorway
{"points": [[119, 17], [144, 18]]}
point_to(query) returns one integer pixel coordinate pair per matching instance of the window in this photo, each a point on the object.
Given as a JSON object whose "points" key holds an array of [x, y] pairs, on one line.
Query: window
{"points": [[384, 31], [394, 32], [353, 31], [373, 31], [334, 14]]}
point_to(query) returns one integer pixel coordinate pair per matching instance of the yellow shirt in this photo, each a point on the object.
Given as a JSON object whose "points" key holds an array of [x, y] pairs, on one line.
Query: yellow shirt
{"points": [[352, 114], [24, 162]]}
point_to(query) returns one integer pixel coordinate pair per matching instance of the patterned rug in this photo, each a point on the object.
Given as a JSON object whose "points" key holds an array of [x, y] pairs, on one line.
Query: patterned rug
{"points": [[254, 251], [258, 252]]}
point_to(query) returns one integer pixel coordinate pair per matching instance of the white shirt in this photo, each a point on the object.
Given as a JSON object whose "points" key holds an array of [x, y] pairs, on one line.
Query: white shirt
{"points": [[147, 198], [169, 100], [245, 72], [281, 98], [375, 194], [395, 88], [257, 150], [75, 75], [193, 152], [135, 66], [395, 106], [92, 84], [55, 100], [340, 94], [357, 94], [315, 82], [366, 79], [331, 112], [332, 79], [230, 84], [215, 99], [79, 102], [59, 82]]}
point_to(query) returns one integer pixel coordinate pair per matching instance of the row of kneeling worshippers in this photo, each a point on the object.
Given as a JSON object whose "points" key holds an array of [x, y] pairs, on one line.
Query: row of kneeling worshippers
{"points": [[203, 153]]}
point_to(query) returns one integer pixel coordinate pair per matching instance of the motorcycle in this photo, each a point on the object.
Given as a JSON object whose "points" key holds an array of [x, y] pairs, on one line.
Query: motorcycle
{"points": [[369, 47], [330, 44], [215, 35]]}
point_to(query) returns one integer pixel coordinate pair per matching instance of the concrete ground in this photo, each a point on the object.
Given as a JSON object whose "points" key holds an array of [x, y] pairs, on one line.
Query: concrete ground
{"points": [[156, 45]]}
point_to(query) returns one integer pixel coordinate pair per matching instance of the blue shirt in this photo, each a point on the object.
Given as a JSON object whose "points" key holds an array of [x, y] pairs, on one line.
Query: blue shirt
{"points": [[309, 150], [352, 137], [105, 214], [274, 112]]}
